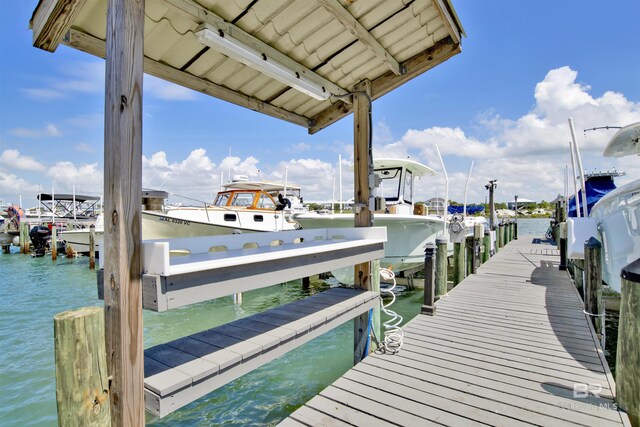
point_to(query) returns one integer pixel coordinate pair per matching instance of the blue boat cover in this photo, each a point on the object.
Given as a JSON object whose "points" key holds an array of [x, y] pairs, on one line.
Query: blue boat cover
{"points": [[471, 209], [597, 187]]}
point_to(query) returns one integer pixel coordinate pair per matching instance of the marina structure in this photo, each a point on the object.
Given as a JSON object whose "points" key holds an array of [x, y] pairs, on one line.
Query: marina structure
{"points": [[267, 57], [242, 54]]}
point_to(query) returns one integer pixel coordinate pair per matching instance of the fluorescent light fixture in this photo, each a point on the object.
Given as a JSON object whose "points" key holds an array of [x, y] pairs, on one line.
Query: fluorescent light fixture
{"points": [[241, 46]]}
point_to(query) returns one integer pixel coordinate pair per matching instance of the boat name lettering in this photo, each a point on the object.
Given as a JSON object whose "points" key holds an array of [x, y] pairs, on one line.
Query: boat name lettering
{"points": [[175, 221]]}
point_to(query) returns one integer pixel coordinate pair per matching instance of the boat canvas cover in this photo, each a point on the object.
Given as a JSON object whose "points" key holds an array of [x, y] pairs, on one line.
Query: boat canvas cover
{"points": [[597, 187], [471, 209]]}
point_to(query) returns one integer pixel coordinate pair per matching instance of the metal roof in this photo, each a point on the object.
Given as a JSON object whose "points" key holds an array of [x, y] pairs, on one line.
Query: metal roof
{"points": [[339, 43]]}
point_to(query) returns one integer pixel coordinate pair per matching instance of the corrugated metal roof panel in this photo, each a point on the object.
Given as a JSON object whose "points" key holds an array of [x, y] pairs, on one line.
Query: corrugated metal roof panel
{"points": [[304, 30]]}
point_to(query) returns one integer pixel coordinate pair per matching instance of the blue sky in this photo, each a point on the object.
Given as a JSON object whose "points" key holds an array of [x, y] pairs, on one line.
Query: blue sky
{"points": [[503, 103]]}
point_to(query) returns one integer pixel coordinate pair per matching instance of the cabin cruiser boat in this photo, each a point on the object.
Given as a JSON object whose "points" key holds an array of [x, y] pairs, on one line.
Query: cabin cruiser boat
{"points": [[241, 206], [409, 229]]}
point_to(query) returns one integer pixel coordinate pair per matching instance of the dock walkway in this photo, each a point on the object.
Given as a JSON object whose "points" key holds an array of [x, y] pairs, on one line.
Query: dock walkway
{"points": [[507, 346]]}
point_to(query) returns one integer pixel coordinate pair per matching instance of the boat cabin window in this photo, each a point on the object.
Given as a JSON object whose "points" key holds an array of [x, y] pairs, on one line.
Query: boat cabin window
{"points": [[390, 185], [407, 195], [266, 202], [242, 199], [222, 199]]}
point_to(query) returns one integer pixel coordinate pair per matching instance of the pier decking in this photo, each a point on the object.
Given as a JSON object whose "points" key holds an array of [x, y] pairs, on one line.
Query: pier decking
{"points": [[507, 346]]}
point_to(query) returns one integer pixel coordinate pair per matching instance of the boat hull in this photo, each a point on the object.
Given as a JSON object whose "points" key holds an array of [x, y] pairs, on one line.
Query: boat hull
{"points": [[618, 219], [407, 236]]}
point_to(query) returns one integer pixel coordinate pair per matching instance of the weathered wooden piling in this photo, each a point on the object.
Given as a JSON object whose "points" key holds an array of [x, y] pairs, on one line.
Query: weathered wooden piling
{"points": [[486, 243], [429, 304], [500, 236], [593, 283], [363, 166], [92, 247], [54, 242], [23, 237], [628, 350], [441, 267], [468, 255], [477, 245], [82, 384], [458, 263]]}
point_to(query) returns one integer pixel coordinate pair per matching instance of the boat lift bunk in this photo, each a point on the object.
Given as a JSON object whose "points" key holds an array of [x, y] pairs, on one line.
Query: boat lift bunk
{"points": [[183, 271]]}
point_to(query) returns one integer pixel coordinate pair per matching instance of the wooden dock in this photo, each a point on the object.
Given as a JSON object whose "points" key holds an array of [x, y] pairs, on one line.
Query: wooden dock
{"points": [[507, 346]]}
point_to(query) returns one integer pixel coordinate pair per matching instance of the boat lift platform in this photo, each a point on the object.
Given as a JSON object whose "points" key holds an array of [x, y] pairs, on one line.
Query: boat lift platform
{"points": [[184, 271]]}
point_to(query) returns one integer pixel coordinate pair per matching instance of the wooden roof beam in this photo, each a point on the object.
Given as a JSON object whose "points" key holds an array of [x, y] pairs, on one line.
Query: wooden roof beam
{"points": [[453, 25], [420, 63], [51, 20], [361, 33], [95, 46]]}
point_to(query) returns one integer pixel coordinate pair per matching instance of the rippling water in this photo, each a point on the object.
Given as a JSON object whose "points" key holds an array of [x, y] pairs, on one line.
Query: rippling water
{"points": [[33, 290]]}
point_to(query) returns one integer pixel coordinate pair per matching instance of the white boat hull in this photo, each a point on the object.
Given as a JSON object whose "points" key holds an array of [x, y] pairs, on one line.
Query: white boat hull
{"points": [[407, 236], [187, 222], [617, 216]]}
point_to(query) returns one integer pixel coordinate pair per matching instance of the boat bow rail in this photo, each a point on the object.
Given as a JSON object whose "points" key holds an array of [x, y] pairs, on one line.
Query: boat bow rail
{"points": [[183, 271]]}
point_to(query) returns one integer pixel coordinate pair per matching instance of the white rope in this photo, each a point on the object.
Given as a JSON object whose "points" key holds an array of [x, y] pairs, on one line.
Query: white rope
{"points": [[393, 334]]}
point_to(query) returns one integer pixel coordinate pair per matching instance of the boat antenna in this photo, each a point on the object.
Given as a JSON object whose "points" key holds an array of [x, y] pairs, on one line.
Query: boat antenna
{"points": [[602, 127]]}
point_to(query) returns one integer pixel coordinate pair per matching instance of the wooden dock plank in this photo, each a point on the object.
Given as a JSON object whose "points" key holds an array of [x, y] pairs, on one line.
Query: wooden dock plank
{"points": [[507, 346]]}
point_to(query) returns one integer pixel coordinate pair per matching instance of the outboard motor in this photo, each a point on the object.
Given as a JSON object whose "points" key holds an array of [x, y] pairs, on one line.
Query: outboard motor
{"points": [[39, 237]]}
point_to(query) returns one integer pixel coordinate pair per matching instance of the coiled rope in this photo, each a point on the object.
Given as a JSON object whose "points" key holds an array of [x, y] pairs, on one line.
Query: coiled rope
{"points": [[393, 334]]}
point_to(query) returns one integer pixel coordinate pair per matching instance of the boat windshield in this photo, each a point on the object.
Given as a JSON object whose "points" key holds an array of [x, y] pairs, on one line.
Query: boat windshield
{"points": [[389, 187], [222, 199], [266, 202], [407, 195], [244, 199]]}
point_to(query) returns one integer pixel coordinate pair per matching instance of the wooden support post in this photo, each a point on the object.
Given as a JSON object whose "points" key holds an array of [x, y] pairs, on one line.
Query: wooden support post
{"points": [[486, 243], [82, 390], [429, 304], [441, 267], [123, 211], [6, 249], [578, 273], [306, 282], [515, 230], [501, 236], [54, 242], [23, 236], [477, 245], [628, 349], [458, 263], [593, 283], [563, 254], [92, 247], [363, 168], [468, 256]]}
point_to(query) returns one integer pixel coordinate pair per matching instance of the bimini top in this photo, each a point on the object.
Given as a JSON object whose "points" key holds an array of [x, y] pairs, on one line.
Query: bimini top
{"points": [[79, 198], [626, 142], [297, 60], [267, 186], [417, 169]]}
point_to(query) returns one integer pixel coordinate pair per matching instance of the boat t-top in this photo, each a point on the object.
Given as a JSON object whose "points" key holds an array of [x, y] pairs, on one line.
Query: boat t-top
{"points": [[409, 228]]}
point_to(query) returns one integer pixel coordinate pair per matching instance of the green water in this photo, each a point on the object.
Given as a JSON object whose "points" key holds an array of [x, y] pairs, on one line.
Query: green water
{"points": [[33, 290]]}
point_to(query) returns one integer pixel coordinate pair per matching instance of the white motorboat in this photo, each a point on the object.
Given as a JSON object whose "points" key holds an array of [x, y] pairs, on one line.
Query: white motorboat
{"points": [[618, 213], [241, 207], [408, 229]]}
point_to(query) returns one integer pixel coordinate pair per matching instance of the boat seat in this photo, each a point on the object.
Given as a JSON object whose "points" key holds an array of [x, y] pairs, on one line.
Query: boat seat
{"points": [[183, 370]]}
